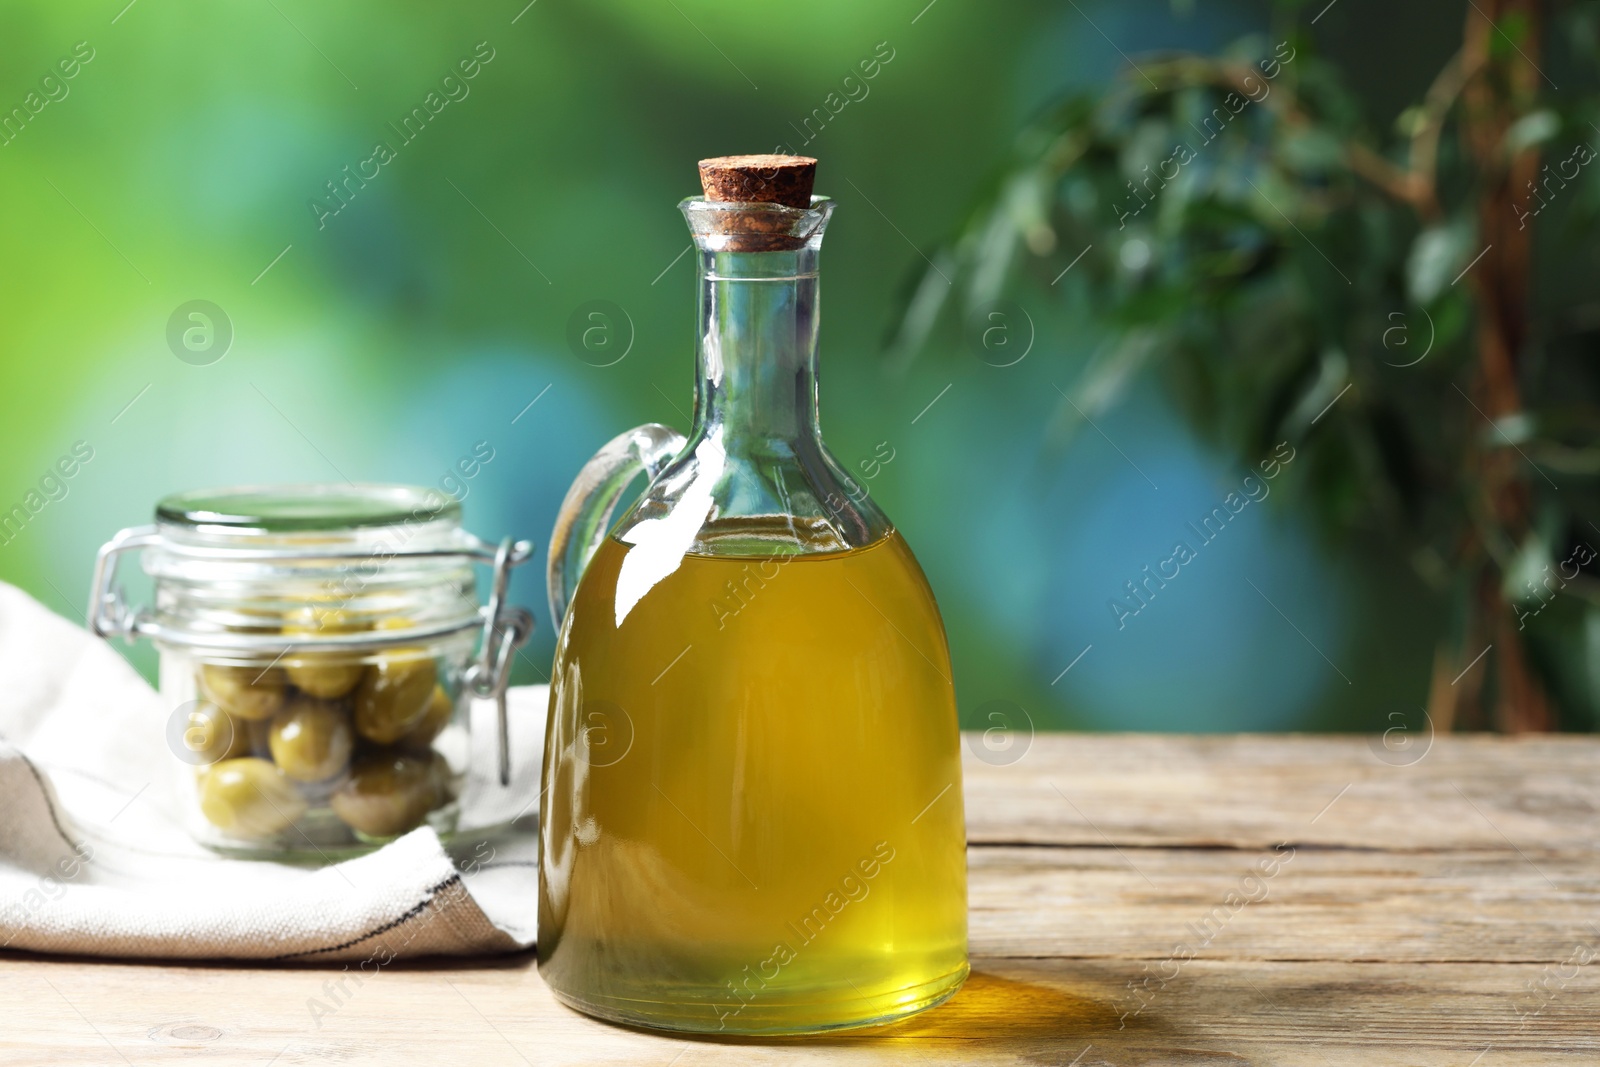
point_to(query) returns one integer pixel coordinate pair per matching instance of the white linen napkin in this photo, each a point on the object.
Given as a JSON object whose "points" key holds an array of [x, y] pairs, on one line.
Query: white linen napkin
{"points": [[94, 859]]}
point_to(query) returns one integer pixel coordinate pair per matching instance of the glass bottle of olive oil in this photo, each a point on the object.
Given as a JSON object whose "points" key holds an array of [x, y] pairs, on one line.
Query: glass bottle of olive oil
{"points": [[752, 815]]}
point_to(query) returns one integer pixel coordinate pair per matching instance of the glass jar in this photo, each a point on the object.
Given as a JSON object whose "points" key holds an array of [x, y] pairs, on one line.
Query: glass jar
{"points": [[320, 646]]}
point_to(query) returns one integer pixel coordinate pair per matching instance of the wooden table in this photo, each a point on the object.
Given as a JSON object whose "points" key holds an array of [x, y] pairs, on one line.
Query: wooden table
{"points": [[1135, 900]]}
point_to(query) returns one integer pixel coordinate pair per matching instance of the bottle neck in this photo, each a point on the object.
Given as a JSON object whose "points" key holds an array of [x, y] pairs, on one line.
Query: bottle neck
{"points": [[756, 387], [754, 479]]}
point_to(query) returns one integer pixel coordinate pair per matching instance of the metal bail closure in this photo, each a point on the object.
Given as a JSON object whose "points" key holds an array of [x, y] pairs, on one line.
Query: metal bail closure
{"points": [[505, 629], [109, 610]]}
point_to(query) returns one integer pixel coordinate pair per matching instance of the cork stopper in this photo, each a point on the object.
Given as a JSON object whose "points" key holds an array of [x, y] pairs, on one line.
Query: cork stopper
{"points": [[767, 179], [758, 179]]}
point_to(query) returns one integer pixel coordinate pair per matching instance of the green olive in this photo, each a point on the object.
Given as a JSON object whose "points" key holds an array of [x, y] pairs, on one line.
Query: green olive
{"points": [[324, 678], [322, 674], [313, 619], [244, 692], [247, 738], [311, 740], [212, 735], [431, 725], [249, 798], [389, 793], [444, 779], [395, 695]]}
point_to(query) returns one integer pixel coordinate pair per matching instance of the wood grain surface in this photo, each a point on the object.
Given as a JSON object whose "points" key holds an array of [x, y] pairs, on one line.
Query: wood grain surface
{"points": [[1135, 900]]}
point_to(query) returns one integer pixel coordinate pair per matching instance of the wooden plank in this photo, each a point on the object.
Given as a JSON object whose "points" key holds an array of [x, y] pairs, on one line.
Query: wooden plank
{"points": [[1253, 791], [1028, 1011], [1334, 905]]}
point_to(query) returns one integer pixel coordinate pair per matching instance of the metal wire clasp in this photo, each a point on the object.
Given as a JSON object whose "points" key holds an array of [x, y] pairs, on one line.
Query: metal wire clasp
{"points": [[506, 628], [109, 611]]}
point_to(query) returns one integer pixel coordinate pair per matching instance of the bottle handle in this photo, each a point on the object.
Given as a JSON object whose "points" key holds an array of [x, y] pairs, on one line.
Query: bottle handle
{"points": [[585, 515]]}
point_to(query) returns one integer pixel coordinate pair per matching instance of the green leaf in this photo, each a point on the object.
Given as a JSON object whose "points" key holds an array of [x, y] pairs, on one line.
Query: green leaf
{"points": [[1516, 428], [1534, 128], [1311, 150], [1437, 256], [1515, 27], [1333, 374], [1525, 573], [1591, 641], [1410, 121], [916, 325], [1105, 380]]}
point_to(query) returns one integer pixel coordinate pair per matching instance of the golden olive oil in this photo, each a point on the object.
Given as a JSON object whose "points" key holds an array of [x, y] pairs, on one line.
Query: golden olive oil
{"points": [[753, 778]]}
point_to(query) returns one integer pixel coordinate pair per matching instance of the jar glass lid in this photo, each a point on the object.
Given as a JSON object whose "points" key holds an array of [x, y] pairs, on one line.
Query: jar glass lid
{"points": [[291, 508]]}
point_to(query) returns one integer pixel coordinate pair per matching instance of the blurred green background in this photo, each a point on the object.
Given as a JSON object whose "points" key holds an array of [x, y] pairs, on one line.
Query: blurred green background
{"points": [[182, 160]]}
